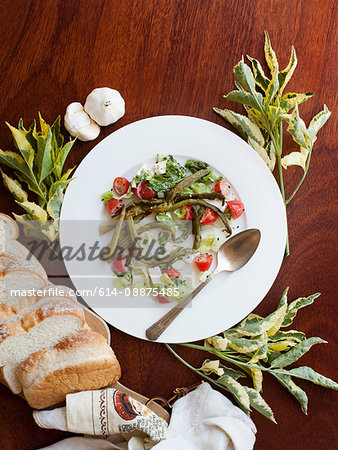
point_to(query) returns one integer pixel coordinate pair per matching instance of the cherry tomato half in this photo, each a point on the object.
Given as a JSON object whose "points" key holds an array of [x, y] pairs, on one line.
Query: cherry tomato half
{"points": [[162, 299], [236, 208], [172, 272], [203, 262], [142, 191], [189, 215], [118, 266], [208, 217], [121, 186], [114, 206], [223, 187]]}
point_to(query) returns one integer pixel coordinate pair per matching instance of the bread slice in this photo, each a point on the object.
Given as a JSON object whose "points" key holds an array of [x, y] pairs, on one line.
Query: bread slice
{"points": [[10, 261], [83, 361], [18, 289], [8, 230], [38, 330]]}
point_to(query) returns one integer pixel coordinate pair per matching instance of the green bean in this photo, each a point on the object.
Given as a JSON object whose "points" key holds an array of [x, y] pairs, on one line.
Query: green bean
{"points": [[196, 229], [185, 183], [173, 256], [113, 244], [204, 196], [193, 202]]}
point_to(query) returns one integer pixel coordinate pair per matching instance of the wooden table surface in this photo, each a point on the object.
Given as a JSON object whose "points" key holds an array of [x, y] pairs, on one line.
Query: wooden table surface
{"points": [[176, 57]]}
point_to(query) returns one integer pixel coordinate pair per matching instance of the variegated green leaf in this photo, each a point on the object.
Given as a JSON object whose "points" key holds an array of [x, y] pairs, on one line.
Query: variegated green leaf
{"points": [[22, 144], [43, 161], [235, 374], [242, 97], [43, 125], [297, 128], [290, 100], [318, 122], [296, 352], [295, 390], [261, 353], [209, 367], [237, 390], [270, 55], [285, 75], [262, 152], [296, 159], [257, 378], [14, 187], [216, 342], [61, 184], [272, 89], [261, 80], [243, 345], [242, 124], [55, 128], [291, 335], [307, 373], [272, 322], [280, 346], [34, 210], [55, 202], [59, 163], [295, 306], [259, 404]]}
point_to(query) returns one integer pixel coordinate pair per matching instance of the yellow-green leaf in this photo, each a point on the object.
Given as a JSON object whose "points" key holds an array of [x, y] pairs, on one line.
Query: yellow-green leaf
{"points": [[318, 122], [209, 367], [22, 144], [257, 378], [54, 204], [295, 306], [261, 80], [296, 159], [243, 345], [242, 124], [217, 342], [285, 75], [270, 55], [262, 153], [35, 211], [292, 99], [237, 390], [43, 159], [259, 404], [295, 390], [242, 97], [307, 373], [296, 352], [14, 187], [280, 346]]}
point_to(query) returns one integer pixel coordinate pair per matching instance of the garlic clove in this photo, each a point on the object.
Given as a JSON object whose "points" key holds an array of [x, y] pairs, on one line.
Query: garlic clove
{"points": [[79, 124], [105, 106]]}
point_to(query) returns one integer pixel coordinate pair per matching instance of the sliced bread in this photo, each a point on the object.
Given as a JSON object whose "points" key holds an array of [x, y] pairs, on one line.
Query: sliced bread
{"points": [[40, 329], [18, 290], [83, 361]]}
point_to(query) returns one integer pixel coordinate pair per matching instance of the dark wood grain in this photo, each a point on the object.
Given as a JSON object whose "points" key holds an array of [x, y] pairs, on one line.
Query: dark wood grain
{"points": [[176, 57]]}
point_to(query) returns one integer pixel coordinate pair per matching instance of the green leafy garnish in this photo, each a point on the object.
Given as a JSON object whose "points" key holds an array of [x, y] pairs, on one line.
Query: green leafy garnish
{"points": [[267, 108], [257, 345], [38, 164], [174, 173]]}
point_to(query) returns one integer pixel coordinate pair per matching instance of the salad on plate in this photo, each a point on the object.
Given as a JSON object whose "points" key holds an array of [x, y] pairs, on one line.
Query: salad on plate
{"points": [[167, 224]]}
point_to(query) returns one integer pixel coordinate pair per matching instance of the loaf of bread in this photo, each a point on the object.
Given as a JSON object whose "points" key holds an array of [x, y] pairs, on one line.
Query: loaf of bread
{"points": [[79, 362], [47, 350]]}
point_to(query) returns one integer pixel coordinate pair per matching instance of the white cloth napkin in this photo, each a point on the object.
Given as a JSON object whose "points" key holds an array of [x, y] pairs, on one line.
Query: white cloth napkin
{"points": [[202, 420]]}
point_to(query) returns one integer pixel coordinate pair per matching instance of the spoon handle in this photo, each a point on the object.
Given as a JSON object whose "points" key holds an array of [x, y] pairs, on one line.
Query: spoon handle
{"points": [[157, 328]]}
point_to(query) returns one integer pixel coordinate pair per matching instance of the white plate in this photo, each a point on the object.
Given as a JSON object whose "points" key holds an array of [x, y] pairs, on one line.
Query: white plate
{"points": [[229, 297]]}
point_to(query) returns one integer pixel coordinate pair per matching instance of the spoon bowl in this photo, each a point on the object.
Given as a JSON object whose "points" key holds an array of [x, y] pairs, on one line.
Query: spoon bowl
{"points": [[233, 255]]}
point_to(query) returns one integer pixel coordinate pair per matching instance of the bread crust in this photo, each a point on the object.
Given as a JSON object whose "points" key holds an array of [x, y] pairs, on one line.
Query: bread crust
{"points": [[46, 390]]}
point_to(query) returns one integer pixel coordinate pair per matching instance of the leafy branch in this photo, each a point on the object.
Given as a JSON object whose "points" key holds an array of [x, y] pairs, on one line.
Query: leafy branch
{"points": [[256, 346], [39, 165], [267, 108]]}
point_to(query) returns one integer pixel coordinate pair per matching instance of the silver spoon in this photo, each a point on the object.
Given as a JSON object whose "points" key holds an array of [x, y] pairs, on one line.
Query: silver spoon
{"points": [[233, 255]]}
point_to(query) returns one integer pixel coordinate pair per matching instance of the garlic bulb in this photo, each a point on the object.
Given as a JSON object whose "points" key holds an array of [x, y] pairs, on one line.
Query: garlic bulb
{"points": [[105, 106], [79, 124]]}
